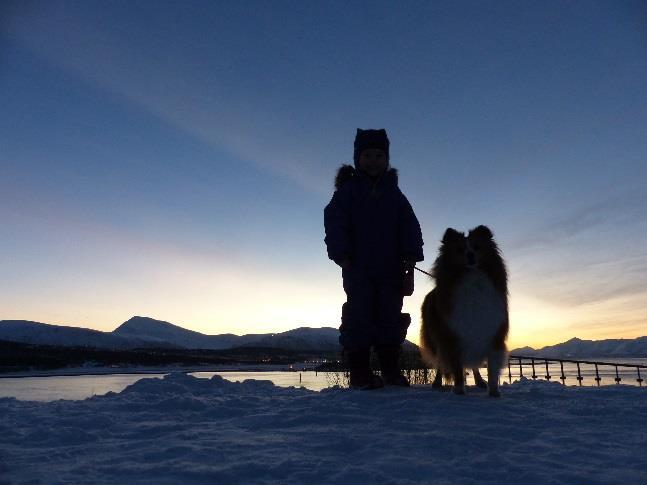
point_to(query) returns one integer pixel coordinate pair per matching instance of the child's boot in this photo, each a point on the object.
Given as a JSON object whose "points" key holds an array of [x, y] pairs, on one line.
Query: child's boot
{"points": [[361, 376], [389, 357]]}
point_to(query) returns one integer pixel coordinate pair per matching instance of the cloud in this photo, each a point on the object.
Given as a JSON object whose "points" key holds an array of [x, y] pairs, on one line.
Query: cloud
{"points": [[591, 266], [580, 285], [592, 254], [623, 211], [180, 93], [624, 315]]}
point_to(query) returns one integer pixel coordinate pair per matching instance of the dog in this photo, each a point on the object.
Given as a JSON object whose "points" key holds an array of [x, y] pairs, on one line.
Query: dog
{"points": [[465, 317]]}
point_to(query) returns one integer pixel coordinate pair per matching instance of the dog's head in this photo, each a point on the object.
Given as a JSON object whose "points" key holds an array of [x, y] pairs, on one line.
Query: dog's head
{"points": [[468, 252]]}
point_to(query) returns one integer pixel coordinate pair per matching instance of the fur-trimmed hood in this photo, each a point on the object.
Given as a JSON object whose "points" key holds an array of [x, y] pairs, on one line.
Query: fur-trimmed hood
{"points": [[347, 172], [372, 224]]}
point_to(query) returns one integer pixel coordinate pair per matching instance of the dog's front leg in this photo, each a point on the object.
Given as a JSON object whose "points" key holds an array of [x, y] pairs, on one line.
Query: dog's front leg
{"points": [[494, 363], [459, 379]]}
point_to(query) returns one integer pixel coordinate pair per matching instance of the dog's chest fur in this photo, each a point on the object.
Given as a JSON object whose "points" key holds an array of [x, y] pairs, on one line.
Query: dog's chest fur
{"points": [[478, 311]]}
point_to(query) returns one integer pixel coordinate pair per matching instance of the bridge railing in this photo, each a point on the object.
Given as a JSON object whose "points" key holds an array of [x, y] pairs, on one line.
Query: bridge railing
{"points": [[581, 372], [583, 369]]}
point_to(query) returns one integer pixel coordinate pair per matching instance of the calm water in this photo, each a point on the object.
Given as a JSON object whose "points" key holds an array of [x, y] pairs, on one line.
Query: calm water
{"points": [[81, 387]]}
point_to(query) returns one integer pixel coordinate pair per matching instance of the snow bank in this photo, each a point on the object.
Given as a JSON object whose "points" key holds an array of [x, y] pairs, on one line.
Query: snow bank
{"points": [[183, 429]]}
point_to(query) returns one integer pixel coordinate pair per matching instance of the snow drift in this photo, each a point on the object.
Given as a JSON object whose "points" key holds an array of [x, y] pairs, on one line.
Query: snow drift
{"points": [[183, 429]]}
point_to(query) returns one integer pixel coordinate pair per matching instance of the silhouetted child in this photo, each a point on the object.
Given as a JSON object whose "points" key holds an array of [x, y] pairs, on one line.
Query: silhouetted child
{"points": [[373, 234]]}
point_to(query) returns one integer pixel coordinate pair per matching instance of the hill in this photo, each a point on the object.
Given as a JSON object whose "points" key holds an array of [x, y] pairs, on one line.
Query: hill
{"points": [[578, 348], [145, 332], [37, 333], [161, 333]]}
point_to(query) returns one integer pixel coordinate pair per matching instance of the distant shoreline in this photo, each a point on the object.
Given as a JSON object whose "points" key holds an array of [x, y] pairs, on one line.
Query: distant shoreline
{"points": [[102, 371]]}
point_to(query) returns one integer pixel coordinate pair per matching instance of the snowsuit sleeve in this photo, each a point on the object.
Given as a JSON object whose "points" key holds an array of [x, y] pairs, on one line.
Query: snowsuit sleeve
{"points": [[410, 234], [337, 222]]}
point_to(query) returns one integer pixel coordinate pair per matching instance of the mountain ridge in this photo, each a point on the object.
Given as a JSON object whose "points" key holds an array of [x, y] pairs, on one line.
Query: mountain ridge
{"points": [[145, 332], [580, 348]]}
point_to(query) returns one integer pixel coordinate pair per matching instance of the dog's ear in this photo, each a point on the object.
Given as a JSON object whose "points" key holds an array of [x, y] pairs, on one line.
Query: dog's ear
{"points": [[481, 232], [452, 235]]}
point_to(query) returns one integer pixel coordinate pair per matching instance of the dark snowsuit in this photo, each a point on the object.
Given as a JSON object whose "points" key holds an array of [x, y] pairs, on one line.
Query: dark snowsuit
{"points": [[373, 225]]}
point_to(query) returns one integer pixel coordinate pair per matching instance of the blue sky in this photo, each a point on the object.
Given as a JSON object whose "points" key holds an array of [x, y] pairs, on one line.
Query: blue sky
{"points": [[172, 159]]}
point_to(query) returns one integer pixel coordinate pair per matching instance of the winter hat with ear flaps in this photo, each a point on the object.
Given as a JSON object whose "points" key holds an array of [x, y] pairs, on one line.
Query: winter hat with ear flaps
{"points": [[370, 139]]}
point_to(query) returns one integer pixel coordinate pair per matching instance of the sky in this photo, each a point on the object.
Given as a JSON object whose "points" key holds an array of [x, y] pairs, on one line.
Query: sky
{"points": [[173, 159]]}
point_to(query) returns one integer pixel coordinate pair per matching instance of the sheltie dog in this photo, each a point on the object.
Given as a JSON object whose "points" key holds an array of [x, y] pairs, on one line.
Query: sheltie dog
{"points": [[465, 317]]}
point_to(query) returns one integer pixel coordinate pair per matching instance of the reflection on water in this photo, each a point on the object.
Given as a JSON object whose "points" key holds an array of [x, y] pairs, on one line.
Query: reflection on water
{"points": [[81, 387], [66, 387]]}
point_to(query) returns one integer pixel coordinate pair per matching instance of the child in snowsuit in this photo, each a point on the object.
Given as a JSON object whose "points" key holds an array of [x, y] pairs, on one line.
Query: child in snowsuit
{"points": [[373, 235]]}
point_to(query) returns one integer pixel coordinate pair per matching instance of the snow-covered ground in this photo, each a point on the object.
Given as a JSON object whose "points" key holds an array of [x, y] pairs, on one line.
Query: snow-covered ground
{"points": [[183, 429]]}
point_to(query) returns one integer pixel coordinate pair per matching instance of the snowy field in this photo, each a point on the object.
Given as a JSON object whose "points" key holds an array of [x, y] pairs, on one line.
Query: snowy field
{"points": [[183, 429]]}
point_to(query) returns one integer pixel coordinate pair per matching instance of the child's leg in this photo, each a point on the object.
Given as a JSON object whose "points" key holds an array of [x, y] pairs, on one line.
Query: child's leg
{"points": [[390, 331], [357, 329], [390, 327]]}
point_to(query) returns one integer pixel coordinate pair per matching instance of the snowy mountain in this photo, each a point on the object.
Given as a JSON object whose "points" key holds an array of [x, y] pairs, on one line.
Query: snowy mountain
{"points": [[577, 348], [44, 334], [163, 334], [148, 332], [303, 338], [139, 332]]}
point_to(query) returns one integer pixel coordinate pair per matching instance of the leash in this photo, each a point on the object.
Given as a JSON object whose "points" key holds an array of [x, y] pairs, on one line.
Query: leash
{"points": [[422, 271]]}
